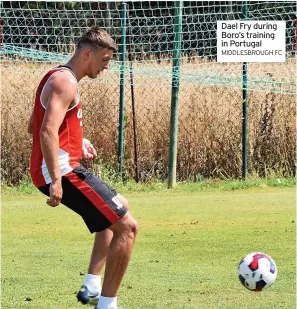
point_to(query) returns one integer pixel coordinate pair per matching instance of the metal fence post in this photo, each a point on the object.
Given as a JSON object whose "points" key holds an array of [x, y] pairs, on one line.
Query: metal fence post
{"points": [[178, 5], [122, 90]]}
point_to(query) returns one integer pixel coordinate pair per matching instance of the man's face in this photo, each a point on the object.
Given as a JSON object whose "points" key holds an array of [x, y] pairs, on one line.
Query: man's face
{"points": [[98, 61]]}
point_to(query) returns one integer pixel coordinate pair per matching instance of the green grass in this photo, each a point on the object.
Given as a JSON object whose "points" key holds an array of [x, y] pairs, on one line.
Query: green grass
{"points": [[26, 186], [186, 254]]}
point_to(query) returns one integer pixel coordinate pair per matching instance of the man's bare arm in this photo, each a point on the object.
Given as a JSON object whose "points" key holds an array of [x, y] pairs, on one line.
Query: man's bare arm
{"points": [[61, 95]]}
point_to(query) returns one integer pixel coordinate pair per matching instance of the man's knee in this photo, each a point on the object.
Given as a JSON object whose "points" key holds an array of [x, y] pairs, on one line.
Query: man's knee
{"points": [[126, 225], [130, 225]]}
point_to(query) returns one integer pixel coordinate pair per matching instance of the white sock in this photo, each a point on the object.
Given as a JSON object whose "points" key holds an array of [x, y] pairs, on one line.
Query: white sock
{"points": [[93, 283], [107, 303]]}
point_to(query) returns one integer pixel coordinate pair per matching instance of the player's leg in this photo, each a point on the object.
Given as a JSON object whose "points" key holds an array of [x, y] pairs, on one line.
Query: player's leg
{"points": [[101, 208], [76, 201], [117, 260], [99, 252], [101, 245], [92, 283], [91, 288]]}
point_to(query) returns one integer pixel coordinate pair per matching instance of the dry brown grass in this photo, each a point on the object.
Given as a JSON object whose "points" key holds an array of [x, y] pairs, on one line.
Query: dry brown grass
{"points": [[209, 143]]}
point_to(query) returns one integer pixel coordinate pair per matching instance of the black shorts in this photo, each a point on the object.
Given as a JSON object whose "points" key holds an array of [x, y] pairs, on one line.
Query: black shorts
{"points": [[90, 197]]}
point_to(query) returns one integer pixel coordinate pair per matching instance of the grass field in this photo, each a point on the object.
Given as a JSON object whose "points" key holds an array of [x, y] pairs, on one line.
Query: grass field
{"points": [[186, 254]]}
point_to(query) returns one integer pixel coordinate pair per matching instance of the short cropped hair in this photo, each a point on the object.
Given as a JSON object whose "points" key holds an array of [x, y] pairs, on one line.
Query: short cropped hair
{"points": [[96, 38]]}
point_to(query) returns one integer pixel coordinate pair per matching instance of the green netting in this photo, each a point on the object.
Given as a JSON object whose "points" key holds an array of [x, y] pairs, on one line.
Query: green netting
{"points": [[47, 31], [31, 54], [38, 35]]}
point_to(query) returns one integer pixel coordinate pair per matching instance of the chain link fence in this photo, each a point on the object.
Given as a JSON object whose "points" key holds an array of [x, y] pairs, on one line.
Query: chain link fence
{"points": [[39, 35]]}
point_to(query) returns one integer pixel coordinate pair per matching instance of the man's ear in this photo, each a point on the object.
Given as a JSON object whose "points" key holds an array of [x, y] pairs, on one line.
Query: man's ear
{"points": [[87, 53]]}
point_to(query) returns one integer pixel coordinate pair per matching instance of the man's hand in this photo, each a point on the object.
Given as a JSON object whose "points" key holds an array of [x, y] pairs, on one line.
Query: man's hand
{"points": [[56, 193], [89, 151]]}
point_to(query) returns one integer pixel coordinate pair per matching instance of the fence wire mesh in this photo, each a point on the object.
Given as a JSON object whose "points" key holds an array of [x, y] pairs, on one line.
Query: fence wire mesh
{"points": [[39, 35]]}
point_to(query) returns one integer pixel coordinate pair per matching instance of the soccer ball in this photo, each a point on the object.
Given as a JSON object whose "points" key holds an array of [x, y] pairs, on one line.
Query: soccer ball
{"points": [[257, 271]]}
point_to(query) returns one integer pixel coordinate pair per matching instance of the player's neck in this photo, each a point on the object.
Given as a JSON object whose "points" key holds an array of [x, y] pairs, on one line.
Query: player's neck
{"points": [[75, 66]]}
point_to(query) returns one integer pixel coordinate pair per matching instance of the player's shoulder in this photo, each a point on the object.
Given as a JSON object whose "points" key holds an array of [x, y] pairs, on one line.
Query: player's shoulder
{"points": [[62, 81]]}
